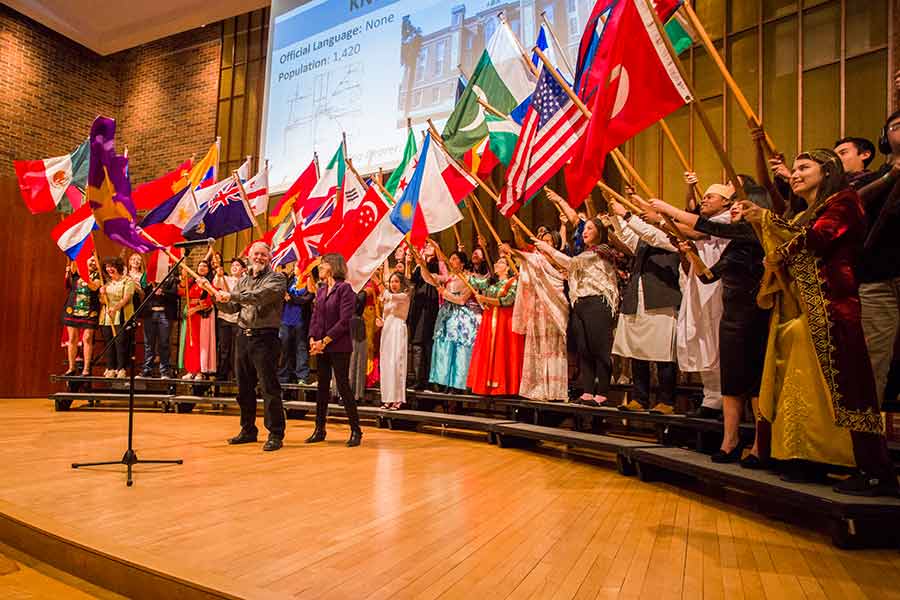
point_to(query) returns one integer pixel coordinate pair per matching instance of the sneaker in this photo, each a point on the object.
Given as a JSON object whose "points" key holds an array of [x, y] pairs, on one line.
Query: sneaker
{"points": [[121, 374], [866, 485], [108, 373], [632, 406], [662, 409], [187, 376]]}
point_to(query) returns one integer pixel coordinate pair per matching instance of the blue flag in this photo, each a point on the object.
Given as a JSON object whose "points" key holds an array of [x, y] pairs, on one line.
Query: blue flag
{"points": [[222, 211]]}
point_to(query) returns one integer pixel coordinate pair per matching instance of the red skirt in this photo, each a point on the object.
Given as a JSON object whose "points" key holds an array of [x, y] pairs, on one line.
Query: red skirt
{"points": [[496, 367]]}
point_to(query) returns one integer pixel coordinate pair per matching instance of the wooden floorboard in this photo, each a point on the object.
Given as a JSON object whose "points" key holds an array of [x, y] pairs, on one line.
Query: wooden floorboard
{"points": [[406, 515]]}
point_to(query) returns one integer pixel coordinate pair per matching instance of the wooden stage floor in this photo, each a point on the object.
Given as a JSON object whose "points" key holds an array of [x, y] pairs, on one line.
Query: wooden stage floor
{"points": [[406, 515]]}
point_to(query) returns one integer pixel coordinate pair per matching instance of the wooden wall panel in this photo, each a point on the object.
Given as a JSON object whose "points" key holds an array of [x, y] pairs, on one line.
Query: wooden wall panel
{"points": [[32, 298]]}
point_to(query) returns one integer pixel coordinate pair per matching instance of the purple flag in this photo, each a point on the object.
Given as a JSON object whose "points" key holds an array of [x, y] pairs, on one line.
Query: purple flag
{"points": [[109, 190]]}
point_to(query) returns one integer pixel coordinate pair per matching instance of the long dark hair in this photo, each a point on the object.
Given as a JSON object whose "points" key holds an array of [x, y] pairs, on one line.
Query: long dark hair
{"points": [[484, 268], [755, 193], [834, 179], [404, 285]]}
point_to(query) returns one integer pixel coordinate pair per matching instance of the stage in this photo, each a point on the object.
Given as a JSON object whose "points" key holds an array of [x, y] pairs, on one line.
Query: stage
{"points": [[406, 515]]}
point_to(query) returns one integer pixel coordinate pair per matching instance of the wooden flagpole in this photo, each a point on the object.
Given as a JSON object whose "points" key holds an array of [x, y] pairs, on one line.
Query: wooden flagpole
{"points": [[446, 261], [247, 207], [729, 80], [519, 45], [681, 157], [207, 286], [563, 57]]}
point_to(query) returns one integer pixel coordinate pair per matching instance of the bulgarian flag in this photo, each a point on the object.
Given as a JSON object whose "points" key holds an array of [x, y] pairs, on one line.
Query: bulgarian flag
{"points": [[328, 185], [502, 80], [497, 148], [400, 177], [54, 183]]}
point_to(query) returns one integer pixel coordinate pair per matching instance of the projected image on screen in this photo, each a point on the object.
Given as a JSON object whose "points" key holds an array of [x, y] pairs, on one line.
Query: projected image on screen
{"points": [[365, 68]]}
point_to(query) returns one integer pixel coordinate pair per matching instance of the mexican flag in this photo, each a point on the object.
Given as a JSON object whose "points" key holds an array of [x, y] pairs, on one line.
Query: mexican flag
{"points": [[501, 79], [497, 148], [400, 177], [366, 238], [57, 182]]}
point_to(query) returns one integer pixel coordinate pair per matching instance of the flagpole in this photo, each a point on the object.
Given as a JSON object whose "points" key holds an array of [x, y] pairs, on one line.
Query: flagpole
{"points": [[446, 261], [698, 106], [680, 155], [729, 80], [208, 287], [491, 109], [692, 256], [563, 58], [246, 203], [490, 190], [521, 48]]}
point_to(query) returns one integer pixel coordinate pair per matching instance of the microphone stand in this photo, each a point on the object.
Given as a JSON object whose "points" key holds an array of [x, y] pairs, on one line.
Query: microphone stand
{"points": [[129, 459]]}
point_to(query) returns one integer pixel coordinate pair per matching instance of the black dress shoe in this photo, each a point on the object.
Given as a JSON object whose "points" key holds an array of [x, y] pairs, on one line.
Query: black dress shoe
{"points": [[755, 463], [355, 438], [732, 456], [243, 438], [867, 485], [704, 412], [317, 436], [272, 444]]}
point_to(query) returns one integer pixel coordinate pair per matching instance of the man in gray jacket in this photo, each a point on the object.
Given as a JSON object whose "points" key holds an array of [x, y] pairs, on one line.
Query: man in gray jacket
{"points": [[258, 298]]}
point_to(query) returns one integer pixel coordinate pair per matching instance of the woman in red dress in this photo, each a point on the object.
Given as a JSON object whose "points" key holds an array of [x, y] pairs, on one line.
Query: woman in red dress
{"points": [[496, 366], [200, 338]]}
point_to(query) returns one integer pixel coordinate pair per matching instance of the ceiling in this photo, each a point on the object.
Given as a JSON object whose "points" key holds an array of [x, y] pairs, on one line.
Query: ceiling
{"points": [[107, 27]]}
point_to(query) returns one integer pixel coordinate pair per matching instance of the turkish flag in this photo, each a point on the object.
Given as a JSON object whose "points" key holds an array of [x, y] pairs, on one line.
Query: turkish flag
{"points": [[642, 85]]}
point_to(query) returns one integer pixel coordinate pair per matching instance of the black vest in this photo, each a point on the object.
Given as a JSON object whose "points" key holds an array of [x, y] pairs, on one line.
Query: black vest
{"points": [[658, 269]]}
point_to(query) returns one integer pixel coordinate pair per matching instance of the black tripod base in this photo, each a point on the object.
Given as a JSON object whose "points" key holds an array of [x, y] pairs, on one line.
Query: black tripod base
{"points": [[129, 459]]}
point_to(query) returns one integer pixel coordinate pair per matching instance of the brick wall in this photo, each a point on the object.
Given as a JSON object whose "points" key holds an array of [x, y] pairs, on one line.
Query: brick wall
{"points": [[163, 95]]}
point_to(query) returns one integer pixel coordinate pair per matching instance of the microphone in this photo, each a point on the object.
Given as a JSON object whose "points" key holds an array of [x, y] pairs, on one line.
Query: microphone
{"points": [[192, 243]]}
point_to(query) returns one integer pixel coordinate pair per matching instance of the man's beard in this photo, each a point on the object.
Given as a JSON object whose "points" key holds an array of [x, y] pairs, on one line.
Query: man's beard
{"points": [[257, 269]]}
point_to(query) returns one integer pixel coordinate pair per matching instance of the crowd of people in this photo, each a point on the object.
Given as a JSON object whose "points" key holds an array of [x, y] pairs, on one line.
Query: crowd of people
{"points": [[781, 295]]}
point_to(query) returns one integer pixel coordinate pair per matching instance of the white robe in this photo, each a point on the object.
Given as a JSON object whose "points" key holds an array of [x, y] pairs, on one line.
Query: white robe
{"points": [[697, 330]]}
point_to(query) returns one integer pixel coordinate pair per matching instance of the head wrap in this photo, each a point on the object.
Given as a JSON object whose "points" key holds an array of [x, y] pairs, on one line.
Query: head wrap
{"points": [[726, 191]]}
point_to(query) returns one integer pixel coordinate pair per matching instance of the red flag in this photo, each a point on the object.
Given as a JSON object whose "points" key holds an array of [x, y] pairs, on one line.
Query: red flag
{"points": [[644, 85], [149, 195], [357, 225], [86, 252], [296, 194]]}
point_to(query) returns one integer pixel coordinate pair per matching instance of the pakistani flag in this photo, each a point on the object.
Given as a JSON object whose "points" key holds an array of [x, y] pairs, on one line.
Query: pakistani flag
{"points": [[409, 154], [501, 79], [497, 148]]}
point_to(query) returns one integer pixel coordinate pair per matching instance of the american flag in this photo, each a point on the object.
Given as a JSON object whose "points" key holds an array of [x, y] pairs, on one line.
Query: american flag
{"points": [[550, 130]]}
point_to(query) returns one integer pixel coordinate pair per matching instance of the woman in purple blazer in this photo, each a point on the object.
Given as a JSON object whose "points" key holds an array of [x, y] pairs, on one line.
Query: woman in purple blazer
{"points": [[329, 340]]}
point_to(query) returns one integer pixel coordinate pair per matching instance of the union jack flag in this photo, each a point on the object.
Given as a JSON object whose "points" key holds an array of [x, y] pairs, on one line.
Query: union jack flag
{"points": [[228, 194], [310, 234]]}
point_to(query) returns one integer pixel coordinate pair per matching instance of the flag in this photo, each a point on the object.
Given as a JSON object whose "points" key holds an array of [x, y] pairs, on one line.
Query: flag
{"points": [[546, 42], [400, 173], [587, 80], [366, 238], [205, 172], [497, 148], [681, 32], [71, 233], [310, 234], [257, 190], [643, 86], [109, 191], [46, 184], [297, 194], [327, 187], [461, 83], [549, 136], [159, 263], [458, 183], [148, 196], [501, 79], [222, 211], [427, 206]]}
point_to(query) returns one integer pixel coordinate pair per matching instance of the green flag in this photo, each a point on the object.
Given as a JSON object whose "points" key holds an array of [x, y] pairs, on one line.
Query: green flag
{"points": [[466, 126]]}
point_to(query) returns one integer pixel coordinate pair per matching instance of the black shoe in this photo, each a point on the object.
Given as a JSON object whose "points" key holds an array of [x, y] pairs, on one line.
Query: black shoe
{"points": [[355, 438], [704, 412], [317, 436], [243, 438], [272, 444], [755, 463], [733, 456], [866, 485], [70, 373]]}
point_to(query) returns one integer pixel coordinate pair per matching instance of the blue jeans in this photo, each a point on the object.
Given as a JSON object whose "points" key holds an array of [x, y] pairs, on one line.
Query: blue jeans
{"points": [[156, 335], [294, 352]]}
